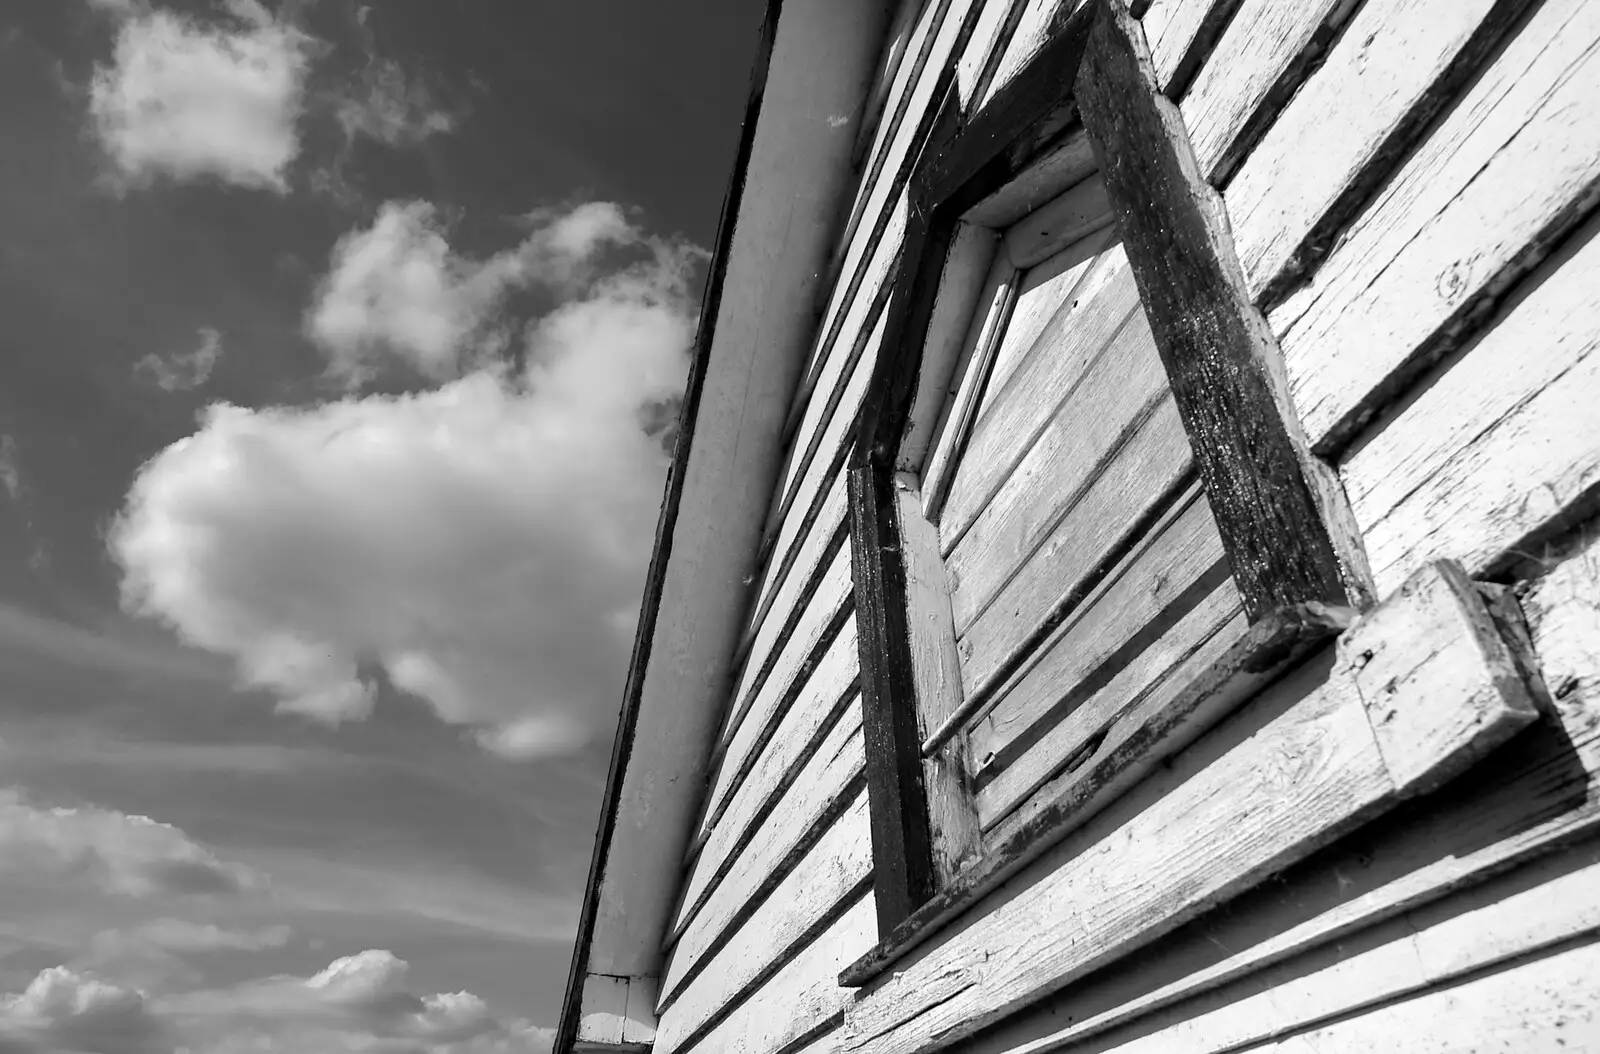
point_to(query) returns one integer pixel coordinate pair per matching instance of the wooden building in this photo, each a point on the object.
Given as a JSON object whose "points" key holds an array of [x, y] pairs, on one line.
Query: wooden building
{"points": [[1129, 578]]}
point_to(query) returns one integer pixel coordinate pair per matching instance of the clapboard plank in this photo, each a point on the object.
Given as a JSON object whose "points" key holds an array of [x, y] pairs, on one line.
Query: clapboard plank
{"points": [[1541, 791], [753, 722], [975, 68], [802, 999], [1263, 45], [1044, 289], [1536, 907], [1164, 567], [830, 689], [1195, 638], [1500, 448], [1182, 842], [703, 976], [1180, 33], [713, 894], [1103, 409], [1391, 72], [774, 609], [1029, 400], [1549, 1005], [1109, 519], [1029, 38], [1510, 169]]}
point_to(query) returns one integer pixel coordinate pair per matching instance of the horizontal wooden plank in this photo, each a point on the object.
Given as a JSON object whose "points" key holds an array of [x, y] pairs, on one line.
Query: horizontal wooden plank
{"points": [[700, 983], [1392, 70], [800, 1002], [617, 1014], [1117, 419], [1502, 447], [801, 733], [980, 58], [1105, 708], [1187, 839], [1532, 909], [1042, 291], [1033, 32], [1547, 1006], [1265, 41], [830, 778], [752, 723], [1099, 307], [1512, 167], [1180, 34], [1174, 567], [1540, 792]]}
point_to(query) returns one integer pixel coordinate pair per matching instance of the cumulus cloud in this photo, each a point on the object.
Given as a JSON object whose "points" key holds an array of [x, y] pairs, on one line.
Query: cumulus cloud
{"points": [[186, 100], [184, 370], [386, 105], [117, 852], [481, 544], [397, 293], [63, 1010]]}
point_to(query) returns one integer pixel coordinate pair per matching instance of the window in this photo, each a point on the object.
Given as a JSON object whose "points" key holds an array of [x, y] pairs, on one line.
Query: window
{"points": [[1076, 492]]}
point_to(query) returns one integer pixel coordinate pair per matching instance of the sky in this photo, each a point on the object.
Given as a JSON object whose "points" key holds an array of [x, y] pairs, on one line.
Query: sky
{"points": [[341, 352]]}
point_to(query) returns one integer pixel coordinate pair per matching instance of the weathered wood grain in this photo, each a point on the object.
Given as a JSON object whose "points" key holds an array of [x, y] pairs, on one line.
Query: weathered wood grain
{"points": [[1502, 449], [1284, 520], [753, 722], [1548, 1005], [1109, 518], [1043, 291], [1534, 908], [1034, 30], [831, 776], [1166, 567], [702, 979], [1115, 418], [1181, 33], [1185, 840], [1509, 170], [1392, 70], [1104, 710], [936, 675], [1076, 213], [800, 1001], [801, 733], [1540, 792], [1435, 636], [976, 66], [1015, 416], [1259, 61]]}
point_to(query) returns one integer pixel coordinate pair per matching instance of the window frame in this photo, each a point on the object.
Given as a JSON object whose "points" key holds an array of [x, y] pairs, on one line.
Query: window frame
{"points": [[1284, 525]]}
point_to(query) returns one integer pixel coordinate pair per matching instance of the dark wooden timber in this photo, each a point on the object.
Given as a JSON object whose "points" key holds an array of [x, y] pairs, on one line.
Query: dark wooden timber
{"points": [[1282, 515], [1270, 648]]}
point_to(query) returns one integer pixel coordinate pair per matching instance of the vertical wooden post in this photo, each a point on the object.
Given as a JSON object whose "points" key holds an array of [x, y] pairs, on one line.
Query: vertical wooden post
{"points": [[1281, 512]]}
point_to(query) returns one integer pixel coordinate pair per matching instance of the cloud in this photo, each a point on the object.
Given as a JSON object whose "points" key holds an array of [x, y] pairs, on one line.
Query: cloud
{"points": [[116, 852], [183, 370], [185, 101], [182, 935], [387, 106], [358, 1003], [397, 293], [11, 468], [481, 544], [63, 1010]]}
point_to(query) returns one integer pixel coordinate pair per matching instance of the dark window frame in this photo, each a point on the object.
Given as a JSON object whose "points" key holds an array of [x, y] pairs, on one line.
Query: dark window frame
{"points": [[1284, 524]]}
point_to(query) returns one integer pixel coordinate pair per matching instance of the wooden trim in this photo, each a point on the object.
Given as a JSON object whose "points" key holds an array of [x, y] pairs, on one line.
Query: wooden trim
{"points": [[1274, 644], [1283, 518]]}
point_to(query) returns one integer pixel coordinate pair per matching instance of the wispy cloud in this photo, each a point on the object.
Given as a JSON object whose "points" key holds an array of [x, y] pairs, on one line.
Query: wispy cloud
{"points": [[483, 543], [185, 100], [184, 370], [11, 467]]}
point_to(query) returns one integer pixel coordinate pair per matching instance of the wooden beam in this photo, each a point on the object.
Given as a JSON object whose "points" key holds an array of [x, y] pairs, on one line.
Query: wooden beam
{"points": [[617, 1015], [1283, 518]]}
